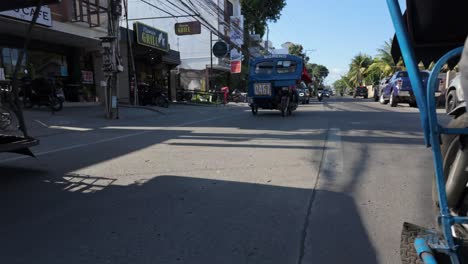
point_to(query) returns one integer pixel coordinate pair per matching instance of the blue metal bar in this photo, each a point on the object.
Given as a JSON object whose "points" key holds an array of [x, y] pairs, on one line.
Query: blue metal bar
{"points": [[424, 251], [410, 62], [453, 131], [433, 83], [460, 220]]}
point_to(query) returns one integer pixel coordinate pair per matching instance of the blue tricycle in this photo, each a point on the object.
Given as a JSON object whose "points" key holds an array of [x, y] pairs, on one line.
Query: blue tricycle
{"points": [[272, 83], [434, 31]]}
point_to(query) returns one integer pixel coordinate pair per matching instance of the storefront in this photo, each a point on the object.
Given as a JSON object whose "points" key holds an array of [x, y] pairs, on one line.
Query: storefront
{"points": [[62, 53], [153, 61]]}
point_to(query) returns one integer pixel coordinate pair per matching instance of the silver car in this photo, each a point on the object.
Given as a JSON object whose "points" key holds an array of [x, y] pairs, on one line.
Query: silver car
{"points": [[454, 95]]}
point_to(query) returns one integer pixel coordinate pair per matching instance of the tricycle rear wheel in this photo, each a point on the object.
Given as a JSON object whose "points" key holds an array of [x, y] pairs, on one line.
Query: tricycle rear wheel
{"points": [[450, 145]]}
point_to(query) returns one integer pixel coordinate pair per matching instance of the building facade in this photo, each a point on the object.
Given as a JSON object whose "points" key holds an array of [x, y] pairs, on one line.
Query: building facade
{"points": [[195, 50], [64, 47]]}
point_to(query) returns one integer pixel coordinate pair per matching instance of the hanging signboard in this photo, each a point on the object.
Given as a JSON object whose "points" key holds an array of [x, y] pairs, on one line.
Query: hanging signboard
{"points": [[151, 37], [187, 28], [27, 13], [236, 55], [237, 30], [236, 66]]}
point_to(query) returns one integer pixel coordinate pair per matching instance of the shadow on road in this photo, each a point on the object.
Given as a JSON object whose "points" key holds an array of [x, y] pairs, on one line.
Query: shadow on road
{"points": [[172, 219]]}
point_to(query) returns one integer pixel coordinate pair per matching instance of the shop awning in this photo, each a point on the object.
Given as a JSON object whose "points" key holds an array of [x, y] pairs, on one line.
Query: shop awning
{"points": [[171, 57], [58, 34], [219, 67]]}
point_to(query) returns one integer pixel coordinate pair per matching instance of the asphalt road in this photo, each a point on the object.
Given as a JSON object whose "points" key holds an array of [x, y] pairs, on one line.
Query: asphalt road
{"points": [[331, 184]]}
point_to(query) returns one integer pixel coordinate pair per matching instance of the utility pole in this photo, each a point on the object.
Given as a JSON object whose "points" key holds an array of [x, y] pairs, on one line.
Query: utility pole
{"points": [[111, 65], [211, 61], [131, 58]]}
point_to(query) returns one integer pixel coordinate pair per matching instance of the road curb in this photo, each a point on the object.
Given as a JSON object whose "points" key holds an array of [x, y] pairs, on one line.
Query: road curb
{"points": [[143, 107]]}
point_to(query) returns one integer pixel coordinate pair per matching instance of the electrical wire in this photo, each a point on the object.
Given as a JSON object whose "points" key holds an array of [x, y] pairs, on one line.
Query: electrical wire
{"points": [[152, 5]]}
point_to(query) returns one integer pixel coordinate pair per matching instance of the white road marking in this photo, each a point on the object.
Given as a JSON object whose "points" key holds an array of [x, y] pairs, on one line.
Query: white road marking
{"points": [[41, 123], [109, 139], [81, 129]]}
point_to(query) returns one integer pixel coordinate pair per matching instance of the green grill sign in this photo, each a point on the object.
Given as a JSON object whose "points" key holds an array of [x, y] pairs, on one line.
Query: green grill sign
{"points": [[151, 37]]}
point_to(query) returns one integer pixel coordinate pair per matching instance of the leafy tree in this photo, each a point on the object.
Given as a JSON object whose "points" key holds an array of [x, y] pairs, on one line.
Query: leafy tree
{"points": [[298, 50], [317, 72], [258, 12], [340, 86], [384, 60]]}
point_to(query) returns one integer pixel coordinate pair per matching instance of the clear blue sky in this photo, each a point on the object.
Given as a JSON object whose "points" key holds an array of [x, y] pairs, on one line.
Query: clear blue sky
{"points": [[336, 29]]}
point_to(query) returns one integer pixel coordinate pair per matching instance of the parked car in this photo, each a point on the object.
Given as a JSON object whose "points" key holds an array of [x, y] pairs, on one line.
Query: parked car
{"points": [[361, 91], [304, 96], [454, 95], [399, 90], [378, 89]]}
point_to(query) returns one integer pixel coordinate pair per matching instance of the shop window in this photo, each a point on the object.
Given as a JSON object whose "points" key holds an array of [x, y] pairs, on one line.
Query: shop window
{"points": [[10, 57], [47, 65]]}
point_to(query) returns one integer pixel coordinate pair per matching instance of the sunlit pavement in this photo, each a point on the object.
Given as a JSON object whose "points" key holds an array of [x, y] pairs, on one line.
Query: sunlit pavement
{"points": [[331, 184]]}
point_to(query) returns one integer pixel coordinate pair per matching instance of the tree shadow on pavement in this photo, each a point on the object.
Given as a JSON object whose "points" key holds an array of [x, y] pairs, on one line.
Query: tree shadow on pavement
{"points": [[174, 219]]}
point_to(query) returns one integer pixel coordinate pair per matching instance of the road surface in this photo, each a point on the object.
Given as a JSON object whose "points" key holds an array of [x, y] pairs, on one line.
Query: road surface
{"points": [[331, 184]]}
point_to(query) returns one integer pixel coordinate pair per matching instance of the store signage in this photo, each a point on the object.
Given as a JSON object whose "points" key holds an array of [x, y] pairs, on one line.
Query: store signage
{"points": [[236, 66], [236, 55], [237, 30], [15, 4], [26, 14], [220, 49], [187, 28], [151, 37], [236, 61], [87, 77]]}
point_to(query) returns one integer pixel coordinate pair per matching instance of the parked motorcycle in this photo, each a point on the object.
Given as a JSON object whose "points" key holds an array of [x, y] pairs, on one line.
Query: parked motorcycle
{"points": [[161, 100], [183, 95], [39, 92]]}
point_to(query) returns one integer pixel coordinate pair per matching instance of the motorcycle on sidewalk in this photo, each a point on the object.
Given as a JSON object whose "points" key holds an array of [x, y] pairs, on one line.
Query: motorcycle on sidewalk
{"points": [[39, 92]]}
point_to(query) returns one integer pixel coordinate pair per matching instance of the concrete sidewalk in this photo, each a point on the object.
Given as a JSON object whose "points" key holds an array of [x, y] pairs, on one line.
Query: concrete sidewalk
{"points": [[41, 122]]}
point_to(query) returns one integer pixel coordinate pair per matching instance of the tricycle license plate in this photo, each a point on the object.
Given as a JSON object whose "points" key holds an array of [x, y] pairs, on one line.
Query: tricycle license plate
{"points": [[262, 88]]}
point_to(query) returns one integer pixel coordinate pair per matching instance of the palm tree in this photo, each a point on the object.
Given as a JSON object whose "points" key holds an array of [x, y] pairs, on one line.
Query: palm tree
{"points": [[384, 60], [358, 67]]}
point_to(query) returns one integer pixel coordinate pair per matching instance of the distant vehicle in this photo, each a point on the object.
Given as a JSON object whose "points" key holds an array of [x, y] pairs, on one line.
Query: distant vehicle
{"points": [[399, 90], [324, 93], [378, 89], [361, 91], [304, 96], [454, 95]]}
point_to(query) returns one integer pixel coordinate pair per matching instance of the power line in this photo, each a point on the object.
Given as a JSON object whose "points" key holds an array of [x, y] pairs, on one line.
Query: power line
{"points": [[168, 8], [150, 4], [170, 2]]}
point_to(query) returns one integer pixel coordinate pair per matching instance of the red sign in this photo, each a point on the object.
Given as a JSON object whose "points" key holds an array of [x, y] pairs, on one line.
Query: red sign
{"points": [[87, 77], [236, 66]]}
